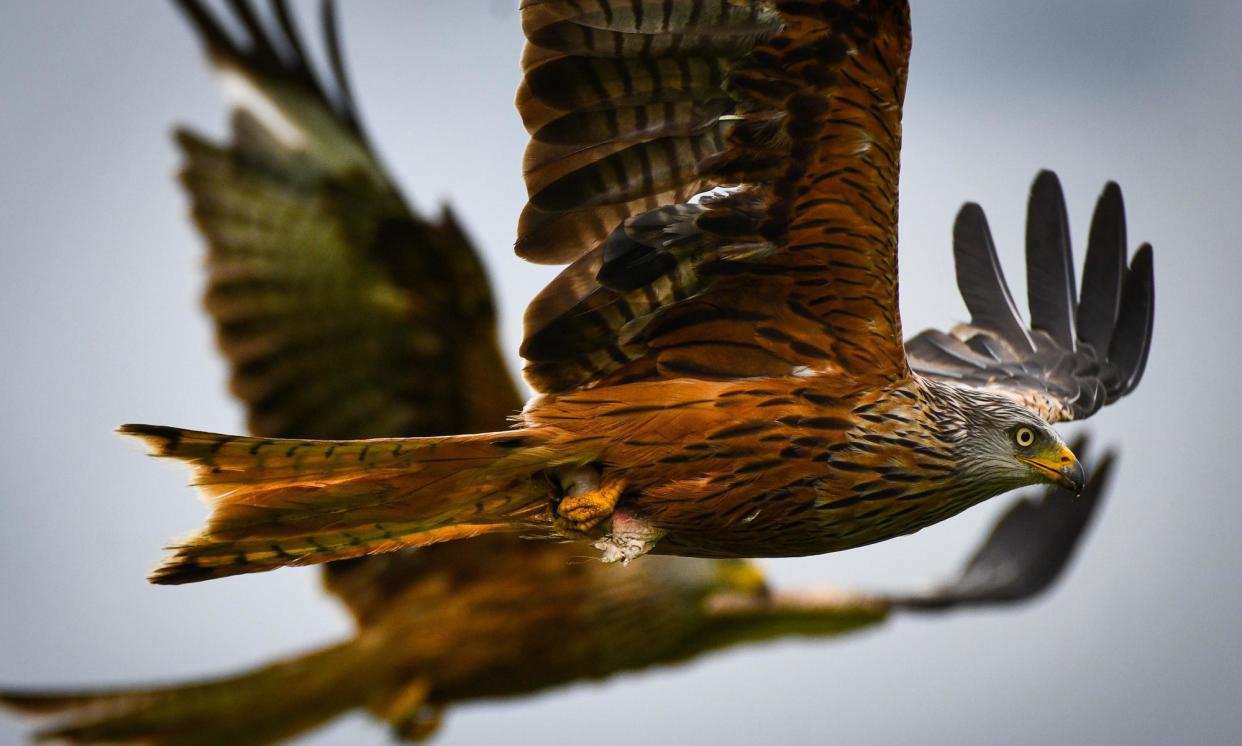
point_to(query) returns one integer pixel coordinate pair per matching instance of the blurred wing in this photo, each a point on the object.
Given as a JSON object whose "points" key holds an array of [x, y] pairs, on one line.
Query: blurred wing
{"points": [[1083, 349], [1027, 550], [267, 705], [341, 312], [735, 618], [790, 111], [1024, 554]]}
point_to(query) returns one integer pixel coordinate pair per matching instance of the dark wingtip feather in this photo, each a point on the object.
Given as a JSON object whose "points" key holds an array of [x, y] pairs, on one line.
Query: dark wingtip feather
{"points": [[981, 281], [1050, 282], [262, 46], [1100, 299], [275, 55], [347, 107], [299, 66], [209, 30], [187, 138], [1132, 338], [159, 439], [36, 702], [174, 572], [198, 558]]}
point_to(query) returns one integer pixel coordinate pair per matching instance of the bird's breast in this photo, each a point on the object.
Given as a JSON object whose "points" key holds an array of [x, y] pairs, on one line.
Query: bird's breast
{"points": [[764, 467]]}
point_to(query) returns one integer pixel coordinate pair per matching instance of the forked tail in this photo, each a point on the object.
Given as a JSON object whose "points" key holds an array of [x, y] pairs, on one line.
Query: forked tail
{"points": [[269, 704], [295, 502]]}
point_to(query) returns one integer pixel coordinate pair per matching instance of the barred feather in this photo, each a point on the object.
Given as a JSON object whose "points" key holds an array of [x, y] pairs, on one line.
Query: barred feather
{"points": [[813, 138], [279, 502], [623, 100]]}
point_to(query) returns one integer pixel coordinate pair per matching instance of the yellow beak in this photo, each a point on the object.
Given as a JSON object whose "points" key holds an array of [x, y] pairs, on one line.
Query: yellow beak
{"points": [[1060, 467]]}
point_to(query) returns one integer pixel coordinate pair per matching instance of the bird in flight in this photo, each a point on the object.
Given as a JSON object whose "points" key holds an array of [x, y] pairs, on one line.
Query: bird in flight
{"points": [[720, 370], [284, 274]]}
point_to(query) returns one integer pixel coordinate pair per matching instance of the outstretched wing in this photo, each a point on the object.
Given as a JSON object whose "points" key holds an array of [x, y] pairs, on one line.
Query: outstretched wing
{"points": [[1024, 554], [790, 111], [312, 253], [341, 312], [1083, 349]]}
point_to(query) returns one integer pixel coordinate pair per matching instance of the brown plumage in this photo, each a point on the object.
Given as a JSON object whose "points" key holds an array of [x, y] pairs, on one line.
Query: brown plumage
{"points": [[725, 376]]}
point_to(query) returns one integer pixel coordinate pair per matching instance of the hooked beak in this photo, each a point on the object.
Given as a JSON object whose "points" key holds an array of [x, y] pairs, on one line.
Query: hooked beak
{"points": [[1061, 468]]}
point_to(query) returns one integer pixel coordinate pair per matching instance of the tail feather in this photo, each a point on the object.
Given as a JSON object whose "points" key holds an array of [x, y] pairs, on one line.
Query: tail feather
{"points": [[279, 502], [263, 706]]}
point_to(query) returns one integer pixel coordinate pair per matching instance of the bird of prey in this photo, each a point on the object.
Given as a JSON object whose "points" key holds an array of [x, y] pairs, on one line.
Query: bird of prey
{"points": [[720, 369], [461, 621]]}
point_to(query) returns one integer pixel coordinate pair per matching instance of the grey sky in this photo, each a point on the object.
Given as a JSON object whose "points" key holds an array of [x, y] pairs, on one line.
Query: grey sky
{"points": [[100, 324]]}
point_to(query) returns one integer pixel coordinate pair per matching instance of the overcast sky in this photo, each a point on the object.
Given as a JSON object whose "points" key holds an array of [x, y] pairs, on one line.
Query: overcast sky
{"points": [[100, 324]]}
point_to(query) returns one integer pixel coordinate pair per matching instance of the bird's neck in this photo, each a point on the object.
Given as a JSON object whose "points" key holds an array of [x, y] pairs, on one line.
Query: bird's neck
{"points": [[945, 409]]}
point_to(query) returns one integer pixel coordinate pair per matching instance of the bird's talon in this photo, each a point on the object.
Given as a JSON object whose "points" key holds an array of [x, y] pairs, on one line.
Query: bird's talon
{"points": [[578, 529], [587, 502]]}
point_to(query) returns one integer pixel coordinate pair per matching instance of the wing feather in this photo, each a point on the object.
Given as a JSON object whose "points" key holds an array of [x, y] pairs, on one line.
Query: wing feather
{"points": [[1087, 349], [311, 315], [623, 100], [790, 112], [1049, 264], [981, 281], [1131, 340], [1103, 271], [333, 301]]}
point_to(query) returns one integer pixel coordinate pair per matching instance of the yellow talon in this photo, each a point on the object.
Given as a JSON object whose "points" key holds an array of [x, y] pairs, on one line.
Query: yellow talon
{"points": [[582, 511]]}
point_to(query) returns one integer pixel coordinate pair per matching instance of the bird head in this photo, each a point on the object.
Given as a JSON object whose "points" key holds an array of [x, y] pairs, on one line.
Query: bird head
{"points": [[1005, 445]]}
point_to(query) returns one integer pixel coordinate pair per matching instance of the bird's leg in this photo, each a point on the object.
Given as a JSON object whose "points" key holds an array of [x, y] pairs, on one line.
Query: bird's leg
{"points": [[587, 499]]}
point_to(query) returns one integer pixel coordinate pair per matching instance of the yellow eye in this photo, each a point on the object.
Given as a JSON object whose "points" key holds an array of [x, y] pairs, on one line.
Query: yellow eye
{"points": [[1024, 437]]}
